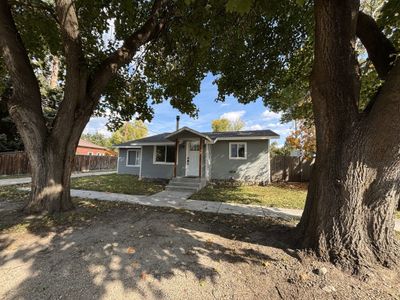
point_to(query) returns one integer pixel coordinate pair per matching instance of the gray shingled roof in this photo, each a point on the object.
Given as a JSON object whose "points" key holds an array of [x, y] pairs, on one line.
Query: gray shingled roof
{"points": [[160, 138]]}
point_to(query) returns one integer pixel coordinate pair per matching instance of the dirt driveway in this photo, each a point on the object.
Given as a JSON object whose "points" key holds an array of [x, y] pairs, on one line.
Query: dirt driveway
{"points": [[130, 252]]}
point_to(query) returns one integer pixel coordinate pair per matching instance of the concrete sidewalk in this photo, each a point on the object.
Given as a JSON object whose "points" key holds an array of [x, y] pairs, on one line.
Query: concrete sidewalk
{"points": [[22, 180], [179, 200]]}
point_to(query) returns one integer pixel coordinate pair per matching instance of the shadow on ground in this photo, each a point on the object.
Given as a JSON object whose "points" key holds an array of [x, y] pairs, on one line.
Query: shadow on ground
{"points": [[105, 248]]}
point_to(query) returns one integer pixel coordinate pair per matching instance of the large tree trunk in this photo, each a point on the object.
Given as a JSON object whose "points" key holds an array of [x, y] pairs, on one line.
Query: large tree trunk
{"points": [[50, 187], [355, 186]]}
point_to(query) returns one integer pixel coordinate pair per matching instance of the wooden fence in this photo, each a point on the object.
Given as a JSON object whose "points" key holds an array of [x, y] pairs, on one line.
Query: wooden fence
{"points": [[14, 163], [290, 168]]}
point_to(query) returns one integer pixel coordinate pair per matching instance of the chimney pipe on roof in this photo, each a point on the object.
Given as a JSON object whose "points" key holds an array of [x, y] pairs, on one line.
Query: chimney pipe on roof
{"points": [[177, 122]]}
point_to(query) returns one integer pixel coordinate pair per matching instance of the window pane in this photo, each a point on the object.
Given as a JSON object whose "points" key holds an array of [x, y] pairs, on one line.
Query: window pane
{"points": [[233, 150], [132, 158], [241, 151], [170, 153], [138, 157], [194, 146], [160, 153]]}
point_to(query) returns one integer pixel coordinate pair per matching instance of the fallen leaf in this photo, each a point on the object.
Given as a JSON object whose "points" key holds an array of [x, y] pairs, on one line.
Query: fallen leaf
{"points": [[131, 250], [143, 275]]}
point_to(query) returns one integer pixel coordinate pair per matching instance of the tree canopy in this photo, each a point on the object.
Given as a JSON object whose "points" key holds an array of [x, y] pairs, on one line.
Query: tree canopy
{"points": [[223, 124], [129, 131]]}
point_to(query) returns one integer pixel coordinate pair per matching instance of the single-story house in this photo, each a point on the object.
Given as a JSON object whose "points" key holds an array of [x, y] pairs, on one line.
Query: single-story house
{"points": [[88, 148], [236, 155]]}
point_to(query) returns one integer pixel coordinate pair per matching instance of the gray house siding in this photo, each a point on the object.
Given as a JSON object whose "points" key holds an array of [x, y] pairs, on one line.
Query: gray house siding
{"points": [[150, 170], [122, 167], [255, 168]]}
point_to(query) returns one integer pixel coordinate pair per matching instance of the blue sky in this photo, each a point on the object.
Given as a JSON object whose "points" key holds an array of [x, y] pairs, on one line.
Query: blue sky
{"points": [[255, 115]]}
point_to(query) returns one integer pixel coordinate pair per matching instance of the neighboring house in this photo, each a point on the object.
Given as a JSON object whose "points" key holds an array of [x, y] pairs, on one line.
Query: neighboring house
{"points": [[88, 148], [239, 155]]}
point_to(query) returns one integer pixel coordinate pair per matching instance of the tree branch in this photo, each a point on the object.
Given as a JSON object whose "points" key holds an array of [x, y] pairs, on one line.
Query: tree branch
{"points": [[76, 78], [26, 88], [25, 103], [380, 49], [122, 56]]}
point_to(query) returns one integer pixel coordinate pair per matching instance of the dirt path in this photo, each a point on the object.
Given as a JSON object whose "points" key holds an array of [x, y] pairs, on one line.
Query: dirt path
{"points": [[133, 252]]}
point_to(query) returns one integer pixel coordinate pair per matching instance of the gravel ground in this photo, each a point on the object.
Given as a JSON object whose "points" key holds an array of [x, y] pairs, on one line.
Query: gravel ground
{"points": [[131, 252]]}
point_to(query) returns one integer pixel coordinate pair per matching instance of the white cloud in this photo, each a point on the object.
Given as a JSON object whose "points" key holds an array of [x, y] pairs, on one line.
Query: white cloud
{"points": [[97, 124], [233, 115], [269, 115], [255, 127], [283, 131]]}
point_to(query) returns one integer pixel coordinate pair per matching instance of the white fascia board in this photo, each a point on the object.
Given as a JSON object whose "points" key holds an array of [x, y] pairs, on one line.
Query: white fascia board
{"points": [[191, 131], [245, 138], [139, 145]]}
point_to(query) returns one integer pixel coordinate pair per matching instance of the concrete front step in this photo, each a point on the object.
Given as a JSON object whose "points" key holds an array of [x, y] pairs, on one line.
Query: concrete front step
{"points": [[192, 184]]}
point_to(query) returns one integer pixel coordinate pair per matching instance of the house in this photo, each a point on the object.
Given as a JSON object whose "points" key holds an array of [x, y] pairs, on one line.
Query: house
{"points": [[88, 148], [203, 156]]}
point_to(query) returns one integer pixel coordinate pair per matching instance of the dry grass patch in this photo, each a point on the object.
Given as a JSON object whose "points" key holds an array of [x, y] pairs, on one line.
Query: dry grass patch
{"points": [[286, 195], [117, 183]]}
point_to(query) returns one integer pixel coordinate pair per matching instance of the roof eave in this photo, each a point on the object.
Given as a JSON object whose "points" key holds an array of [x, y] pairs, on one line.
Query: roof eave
{"points": [[191, 131], [247, 138]]}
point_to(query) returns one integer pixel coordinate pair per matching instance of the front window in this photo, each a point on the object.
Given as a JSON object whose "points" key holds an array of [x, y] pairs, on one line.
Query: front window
{"points": [[237, 150], [133, 158], [164, 154]]}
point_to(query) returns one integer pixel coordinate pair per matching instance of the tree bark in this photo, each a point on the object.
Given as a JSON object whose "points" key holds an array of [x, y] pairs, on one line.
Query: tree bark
{"points": [[354, 189], [50, 188]]}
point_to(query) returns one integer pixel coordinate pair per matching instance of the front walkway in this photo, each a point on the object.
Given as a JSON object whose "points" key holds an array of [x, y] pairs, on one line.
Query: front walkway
{"points": [[22, 180], [179, 200]]}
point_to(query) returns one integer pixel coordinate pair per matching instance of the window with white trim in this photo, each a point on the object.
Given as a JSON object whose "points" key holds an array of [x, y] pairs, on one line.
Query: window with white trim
{"points": [[133, 158], [237, 150], [164, 154]]}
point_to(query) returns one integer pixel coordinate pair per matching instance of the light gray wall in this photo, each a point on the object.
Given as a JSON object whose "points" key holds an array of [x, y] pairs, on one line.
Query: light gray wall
{"points": [[256, 168], [150, 170], [122, 167]]}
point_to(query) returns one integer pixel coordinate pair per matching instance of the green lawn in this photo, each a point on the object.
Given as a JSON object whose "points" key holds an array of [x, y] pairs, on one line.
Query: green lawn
{"points": [[276, 195], [116, 183]]}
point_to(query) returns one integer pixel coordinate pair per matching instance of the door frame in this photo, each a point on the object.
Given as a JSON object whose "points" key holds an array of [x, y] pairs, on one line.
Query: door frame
{"points": [[187, 155]]}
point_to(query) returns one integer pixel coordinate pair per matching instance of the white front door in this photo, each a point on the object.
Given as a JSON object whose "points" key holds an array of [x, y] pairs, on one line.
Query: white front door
{"points": [[192, 158]]}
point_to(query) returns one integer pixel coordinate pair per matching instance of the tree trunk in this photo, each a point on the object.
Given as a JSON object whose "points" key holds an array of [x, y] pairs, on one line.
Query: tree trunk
{"points": [[349, 214], [50, 187], [354, 189]]}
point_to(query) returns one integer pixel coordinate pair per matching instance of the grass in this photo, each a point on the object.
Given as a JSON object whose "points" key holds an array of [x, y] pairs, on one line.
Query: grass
{"points": [[275, 195], [117, 183], [397, 214]]}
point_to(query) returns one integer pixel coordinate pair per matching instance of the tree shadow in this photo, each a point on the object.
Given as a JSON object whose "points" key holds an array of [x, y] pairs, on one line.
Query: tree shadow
{"points": [[104, 247]]}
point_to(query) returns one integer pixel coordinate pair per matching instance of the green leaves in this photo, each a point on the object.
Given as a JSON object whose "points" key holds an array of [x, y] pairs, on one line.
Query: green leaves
{"points": [[239, 6]]}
